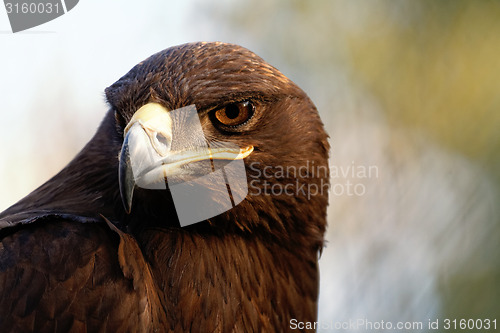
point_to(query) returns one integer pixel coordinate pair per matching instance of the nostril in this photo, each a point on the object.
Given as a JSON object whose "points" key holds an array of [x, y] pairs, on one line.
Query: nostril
{"points": [[162, 139], [163, 142]]}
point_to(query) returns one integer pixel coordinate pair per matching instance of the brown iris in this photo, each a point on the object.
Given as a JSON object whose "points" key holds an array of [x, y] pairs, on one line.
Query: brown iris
{"points": [[235, 114]]}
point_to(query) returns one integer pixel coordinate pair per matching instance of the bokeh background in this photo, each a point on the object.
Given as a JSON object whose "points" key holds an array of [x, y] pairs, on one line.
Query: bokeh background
{"points": [[410, 88]]}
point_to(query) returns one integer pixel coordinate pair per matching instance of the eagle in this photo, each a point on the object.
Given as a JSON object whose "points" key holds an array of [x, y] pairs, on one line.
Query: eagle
{"points": [[103, 247]]}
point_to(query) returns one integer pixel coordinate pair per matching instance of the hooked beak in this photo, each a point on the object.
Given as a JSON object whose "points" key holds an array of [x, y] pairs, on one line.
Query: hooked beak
{"points": [[147, 159]]}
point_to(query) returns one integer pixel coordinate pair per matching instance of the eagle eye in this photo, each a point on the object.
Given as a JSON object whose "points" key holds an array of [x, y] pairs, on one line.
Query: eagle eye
{"points": [[235, 114]]}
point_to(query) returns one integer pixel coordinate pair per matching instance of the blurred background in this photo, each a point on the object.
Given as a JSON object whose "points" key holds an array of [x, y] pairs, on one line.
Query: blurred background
{"points": [[409, 89]]}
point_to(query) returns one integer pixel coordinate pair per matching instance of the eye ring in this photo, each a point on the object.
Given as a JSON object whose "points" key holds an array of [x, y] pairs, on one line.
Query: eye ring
{"points": [[235, 114]]}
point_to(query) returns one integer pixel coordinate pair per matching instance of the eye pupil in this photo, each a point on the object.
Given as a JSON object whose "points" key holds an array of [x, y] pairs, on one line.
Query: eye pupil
{"points": [[232, 111], [234, 114]]}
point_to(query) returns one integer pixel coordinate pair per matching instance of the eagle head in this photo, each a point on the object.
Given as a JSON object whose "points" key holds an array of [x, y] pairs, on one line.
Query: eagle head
{"points": [[211, 132]]}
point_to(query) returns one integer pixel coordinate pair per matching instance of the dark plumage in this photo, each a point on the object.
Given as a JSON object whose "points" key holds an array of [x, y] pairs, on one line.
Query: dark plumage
{"points": [[73, 259]]}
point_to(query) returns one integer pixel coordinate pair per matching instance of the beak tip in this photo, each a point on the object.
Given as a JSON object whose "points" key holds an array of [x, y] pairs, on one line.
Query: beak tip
{"points": [[128, 210], [125, 178], [126, 193]]}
